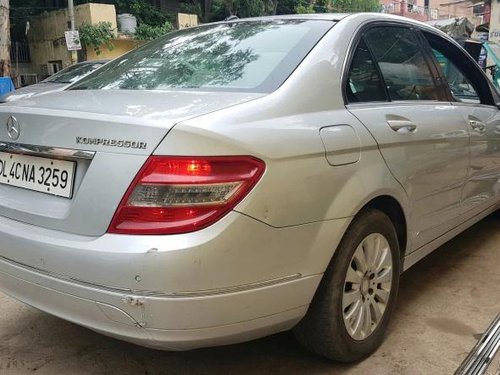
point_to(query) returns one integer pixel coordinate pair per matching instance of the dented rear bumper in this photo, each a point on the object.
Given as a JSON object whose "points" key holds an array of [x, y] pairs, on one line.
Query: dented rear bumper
{"points": [[200, 289], [213, 320]]}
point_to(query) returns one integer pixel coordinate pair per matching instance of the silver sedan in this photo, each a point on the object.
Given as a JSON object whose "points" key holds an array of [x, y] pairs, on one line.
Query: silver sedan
{"points": [[243, 178]]}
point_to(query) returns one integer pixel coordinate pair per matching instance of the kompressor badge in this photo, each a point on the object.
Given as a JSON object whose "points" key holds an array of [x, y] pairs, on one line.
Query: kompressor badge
{"points": [[123, 143]]}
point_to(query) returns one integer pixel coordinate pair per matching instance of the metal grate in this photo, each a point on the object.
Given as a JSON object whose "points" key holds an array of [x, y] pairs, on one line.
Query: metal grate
{"points": [[20, 52], [482, 354]]}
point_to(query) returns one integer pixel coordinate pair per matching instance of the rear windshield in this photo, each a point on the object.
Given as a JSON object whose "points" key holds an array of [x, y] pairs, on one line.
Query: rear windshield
{"points": [[73, 73], [255, 56]]}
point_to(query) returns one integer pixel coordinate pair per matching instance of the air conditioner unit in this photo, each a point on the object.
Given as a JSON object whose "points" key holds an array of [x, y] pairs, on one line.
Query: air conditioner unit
{"points": [[27, 79], [51, 67]]}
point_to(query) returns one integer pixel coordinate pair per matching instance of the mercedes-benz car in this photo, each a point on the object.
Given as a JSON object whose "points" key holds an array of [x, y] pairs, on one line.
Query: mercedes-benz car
{"points": [[56, 82], [242, 178]]}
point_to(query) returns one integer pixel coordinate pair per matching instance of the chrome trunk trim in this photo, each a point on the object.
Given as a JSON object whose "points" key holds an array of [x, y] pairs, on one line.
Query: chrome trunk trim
{"points": [[482, 354], [44, 151]]}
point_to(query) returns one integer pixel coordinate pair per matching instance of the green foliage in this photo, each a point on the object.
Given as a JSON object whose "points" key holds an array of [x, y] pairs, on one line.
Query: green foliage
{"points": [[221, 9], [324, 6], [249, 8], [191, 7], [218, 11], [152, 21], [148, 32], [286, 6], [242, 8], [303, 9], [145, 12], [347, 6], [97, 35]]}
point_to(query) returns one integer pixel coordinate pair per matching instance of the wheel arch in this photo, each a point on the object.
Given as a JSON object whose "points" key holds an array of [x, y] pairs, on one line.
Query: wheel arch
{"points": [[394, 210]]}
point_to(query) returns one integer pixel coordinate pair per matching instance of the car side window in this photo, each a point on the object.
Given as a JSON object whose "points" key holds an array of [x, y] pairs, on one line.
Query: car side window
{"points": [[461, 88], [363, 80], [404, 67]]}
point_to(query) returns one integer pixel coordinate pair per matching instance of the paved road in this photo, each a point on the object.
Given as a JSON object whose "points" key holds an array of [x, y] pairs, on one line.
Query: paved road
{"points": [[445, 303]]}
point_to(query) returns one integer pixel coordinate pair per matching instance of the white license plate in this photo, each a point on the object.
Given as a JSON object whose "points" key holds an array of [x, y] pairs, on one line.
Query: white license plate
{"points": [[50, 176]]}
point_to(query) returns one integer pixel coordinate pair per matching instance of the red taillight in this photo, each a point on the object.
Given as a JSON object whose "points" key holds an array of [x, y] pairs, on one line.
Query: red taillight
{"points": [[173, 194]]}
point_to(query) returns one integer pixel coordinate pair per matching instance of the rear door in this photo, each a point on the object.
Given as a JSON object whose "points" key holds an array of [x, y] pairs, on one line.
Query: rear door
{"points": [[471, 94], [391, 88]]}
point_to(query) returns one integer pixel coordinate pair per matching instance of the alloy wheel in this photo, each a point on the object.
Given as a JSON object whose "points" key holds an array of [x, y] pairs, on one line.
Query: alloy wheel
{"points": [[367, 286]]}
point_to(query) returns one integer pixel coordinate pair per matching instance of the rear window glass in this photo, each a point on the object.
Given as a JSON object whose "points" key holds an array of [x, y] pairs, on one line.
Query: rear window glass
{"points": [[237, 56]]}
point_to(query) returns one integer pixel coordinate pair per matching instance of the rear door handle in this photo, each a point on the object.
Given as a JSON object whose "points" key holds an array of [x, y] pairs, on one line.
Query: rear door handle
{"points": [[477, 125], [402, 126]]}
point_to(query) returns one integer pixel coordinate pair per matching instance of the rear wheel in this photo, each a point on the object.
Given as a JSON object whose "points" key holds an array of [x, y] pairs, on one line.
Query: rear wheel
{"points": [[350, 312]]}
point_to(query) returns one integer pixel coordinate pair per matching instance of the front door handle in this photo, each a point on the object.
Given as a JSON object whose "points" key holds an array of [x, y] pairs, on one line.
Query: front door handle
{"points": [[402, 126], [477, 125]]}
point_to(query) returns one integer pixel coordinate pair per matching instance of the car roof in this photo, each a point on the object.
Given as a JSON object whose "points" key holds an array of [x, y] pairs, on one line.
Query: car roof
{"points": [[355, 17], [364, 16], [312, 16], [309, 16]]}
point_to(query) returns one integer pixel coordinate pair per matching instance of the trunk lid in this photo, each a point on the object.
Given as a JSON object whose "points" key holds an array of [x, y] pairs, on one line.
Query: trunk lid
{"points": [[108, 134]]}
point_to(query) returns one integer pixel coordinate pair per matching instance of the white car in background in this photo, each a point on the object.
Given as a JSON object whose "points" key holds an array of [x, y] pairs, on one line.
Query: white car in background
{"points": [[56, 82]]}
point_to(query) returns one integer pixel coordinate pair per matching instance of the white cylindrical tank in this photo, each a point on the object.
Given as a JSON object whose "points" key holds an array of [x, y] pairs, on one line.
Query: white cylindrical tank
{"points": [[127, 23]]}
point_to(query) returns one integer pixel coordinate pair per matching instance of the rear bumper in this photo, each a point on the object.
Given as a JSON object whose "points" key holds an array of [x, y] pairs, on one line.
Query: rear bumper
{"points": [[212, 287], [120, 315]]}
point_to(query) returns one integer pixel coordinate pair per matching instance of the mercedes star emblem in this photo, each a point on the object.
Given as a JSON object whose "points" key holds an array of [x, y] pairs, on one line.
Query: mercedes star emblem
{"points": [[13, 128]]}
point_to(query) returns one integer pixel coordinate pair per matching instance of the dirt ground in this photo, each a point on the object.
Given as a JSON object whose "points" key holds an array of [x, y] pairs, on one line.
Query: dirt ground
{"points": [[445, 303]]}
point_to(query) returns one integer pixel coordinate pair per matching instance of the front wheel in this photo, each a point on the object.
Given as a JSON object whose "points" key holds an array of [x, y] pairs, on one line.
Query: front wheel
{"points": [[350, 312]]}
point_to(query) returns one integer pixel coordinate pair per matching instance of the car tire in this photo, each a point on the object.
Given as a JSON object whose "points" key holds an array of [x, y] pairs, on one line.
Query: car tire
{"points": [[331, 327]]}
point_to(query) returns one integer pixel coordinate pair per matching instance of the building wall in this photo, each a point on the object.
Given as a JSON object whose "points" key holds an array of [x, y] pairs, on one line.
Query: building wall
{"points": [[463, 9], [431, 10], [415, 9], [185, 20], [494, 34], [120, 46], [47, 42], [98, 13]]}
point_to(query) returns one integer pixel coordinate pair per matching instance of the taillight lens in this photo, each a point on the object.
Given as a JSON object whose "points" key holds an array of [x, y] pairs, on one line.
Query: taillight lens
{"points": [[184, 194]]}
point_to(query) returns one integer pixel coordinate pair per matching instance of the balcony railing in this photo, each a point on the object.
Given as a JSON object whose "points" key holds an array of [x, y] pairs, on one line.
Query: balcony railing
{"points": [[20, 52]]}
